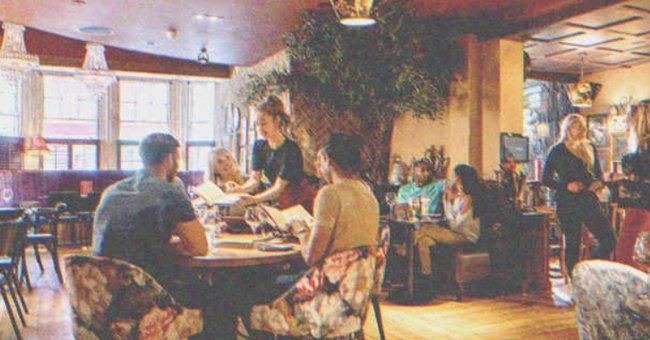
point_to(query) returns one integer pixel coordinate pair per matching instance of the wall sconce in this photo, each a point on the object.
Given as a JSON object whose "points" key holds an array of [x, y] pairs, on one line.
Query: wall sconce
{"points": [[36, 146]]}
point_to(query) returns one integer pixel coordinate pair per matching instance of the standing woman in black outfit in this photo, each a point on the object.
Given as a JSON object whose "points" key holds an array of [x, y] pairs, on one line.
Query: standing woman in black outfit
{"points": [[277, 162], [573, 171]]}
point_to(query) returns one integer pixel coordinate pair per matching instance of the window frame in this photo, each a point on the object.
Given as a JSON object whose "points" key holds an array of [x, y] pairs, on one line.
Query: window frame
{"points": [[70, 143]]}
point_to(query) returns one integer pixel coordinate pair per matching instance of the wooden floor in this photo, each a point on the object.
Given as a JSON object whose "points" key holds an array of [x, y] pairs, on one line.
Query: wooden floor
{"points": [[509, 317]]}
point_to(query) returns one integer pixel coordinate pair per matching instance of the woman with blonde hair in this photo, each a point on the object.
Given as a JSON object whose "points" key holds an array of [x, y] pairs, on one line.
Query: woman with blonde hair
{"points": [[223, 168], [573, 171]]}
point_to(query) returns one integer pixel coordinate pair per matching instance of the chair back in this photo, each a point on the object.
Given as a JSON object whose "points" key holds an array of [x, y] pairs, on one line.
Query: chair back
{"points": [[600, 289], [12, 238], [71, 198], [382, 250], [329, 300], [114, 299]]}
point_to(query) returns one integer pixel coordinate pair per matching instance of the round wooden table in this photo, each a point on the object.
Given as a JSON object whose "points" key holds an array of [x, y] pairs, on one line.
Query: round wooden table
{"points": [[230, 250]]}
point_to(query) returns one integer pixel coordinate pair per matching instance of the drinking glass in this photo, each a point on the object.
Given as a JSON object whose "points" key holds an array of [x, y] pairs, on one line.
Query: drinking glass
{"points": [[642, 249], [255, 221], [414, 207], [7, 196], [391, 199]]}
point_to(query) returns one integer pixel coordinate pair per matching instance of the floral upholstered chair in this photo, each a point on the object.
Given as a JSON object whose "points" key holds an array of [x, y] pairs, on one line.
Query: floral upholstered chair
{"points": [[330, 300], [114, 299], [600, 290]]}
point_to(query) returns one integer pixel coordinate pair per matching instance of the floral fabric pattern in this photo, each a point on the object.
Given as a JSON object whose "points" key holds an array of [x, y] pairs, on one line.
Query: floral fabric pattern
{"points": [[331, 299], [599, 291], [113, 299]]}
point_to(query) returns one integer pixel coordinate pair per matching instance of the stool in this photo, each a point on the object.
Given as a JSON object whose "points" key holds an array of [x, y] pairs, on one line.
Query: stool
{"points": [[469, 265]]}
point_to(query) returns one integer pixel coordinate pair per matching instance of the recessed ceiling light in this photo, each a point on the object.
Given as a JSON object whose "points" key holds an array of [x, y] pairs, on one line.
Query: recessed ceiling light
{"points": [[150, 43], [208, 17], [96, 30]]}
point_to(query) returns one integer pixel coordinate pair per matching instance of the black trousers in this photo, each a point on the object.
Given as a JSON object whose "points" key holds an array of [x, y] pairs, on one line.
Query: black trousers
{"points": [[574, 210]]}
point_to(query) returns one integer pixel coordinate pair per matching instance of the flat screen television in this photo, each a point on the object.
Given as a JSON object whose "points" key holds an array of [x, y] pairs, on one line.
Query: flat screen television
{"points": [[514, 146]]}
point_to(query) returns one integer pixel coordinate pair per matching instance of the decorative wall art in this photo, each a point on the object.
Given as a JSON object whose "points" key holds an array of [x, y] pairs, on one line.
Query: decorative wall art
{"points": [[597, 129]]}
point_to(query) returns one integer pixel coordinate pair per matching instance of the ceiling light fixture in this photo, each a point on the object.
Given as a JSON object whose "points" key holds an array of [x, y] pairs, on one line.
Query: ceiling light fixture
{"points": [[171, 33], [94, 73], [15, 62], [203, 57], [100, 31], [215, 19], [582, 93], [356, 13]]}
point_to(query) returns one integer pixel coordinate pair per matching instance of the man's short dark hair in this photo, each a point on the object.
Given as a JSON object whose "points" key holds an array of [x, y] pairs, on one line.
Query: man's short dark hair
{"points": [[156, 146], [424, 163], [345, 151]]}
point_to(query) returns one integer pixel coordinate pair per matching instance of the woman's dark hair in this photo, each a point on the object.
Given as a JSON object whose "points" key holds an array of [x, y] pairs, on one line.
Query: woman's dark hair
{"points": [[345, 151], [471, 186], [273, 107]]}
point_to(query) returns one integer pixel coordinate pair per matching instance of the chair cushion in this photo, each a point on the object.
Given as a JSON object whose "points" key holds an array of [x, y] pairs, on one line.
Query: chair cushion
{"points": [[329, 300], [471, 266], [115, 299], [600, 290]]}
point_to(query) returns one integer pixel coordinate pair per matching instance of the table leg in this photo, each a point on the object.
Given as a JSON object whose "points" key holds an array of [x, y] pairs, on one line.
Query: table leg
{"points": [[410, 259]]}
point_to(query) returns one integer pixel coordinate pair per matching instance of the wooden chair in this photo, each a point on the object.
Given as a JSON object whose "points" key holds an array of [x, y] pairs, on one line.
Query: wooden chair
{"points": [[12, 234], [49, 239], [115, 299]]}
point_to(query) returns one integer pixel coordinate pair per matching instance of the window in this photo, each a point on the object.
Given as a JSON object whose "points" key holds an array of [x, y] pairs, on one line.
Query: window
{"points": [[201, 120], [9, 108], [197, 156], [70, 110], [200, 126], [129, 158], [144, 108], [71, 155], [70, 124]]}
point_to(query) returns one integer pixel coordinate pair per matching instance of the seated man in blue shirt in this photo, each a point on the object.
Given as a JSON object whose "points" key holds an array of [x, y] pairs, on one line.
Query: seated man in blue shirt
{"points": [[426, 188], [422, 185]]}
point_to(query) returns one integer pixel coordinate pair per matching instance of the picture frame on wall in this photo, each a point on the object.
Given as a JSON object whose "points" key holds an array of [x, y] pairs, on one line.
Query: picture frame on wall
{"points": [[597, 130], [619, 147]]}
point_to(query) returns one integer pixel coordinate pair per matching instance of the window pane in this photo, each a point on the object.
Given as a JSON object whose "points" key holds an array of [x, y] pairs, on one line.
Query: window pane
{"points": [[144, 108], [129, 157], [57, 158], [70, 110], [198, 157], [8, 108], [201, 111], [137, 130], [84, 157]]}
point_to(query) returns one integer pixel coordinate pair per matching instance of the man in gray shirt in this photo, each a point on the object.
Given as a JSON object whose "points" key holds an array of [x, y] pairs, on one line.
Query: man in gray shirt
{"points": [[148, 219]]}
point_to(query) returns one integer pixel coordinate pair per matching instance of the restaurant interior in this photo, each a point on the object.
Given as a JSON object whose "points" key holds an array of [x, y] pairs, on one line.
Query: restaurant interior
{"points": [[451, 82]]}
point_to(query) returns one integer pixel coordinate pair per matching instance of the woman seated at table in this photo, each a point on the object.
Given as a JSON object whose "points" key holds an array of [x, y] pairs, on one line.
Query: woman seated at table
{"points": [[346, 211], [223, 168], [277, 161], [461, 204]]}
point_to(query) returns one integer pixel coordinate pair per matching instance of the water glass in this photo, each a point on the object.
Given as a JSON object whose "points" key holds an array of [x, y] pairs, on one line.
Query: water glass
{"points": [[391, 199], [642, 248], [255, 221]]}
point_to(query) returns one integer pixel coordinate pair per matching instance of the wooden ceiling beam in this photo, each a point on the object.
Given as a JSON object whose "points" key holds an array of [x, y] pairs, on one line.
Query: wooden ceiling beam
{"points": [[59, 51]]}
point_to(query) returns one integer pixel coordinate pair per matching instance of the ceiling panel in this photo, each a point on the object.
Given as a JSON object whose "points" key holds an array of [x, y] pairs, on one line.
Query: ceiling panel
{"points": [[615, 36]]}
